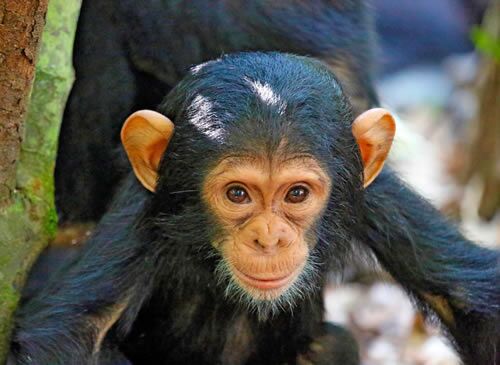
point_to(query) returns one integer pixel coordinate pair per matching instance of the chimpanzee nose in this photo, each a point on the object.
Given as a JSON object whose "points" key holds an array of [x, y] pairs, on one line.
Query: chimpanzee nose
{"points": [[268, 234], [267, 242]]}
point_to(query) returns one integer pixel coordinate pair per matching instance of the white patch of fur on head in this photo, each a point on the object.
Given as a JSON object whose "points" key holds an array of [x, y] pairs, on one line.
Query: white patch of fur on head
{"points": [[195, 69], [202, 116], [265, 93], [268, 306]]}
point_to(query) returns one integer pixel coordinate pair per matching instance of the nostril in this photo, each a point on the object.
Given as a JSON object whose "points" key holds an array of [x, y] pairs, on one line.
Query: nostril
{"points": [[267, 243]]}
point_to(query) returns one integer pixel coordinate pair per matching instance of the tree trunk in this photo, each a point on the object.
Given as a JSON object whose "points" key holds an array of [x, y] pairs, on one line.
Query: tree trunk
{"points": [[484, 148], [28, 145], [21, 25]]}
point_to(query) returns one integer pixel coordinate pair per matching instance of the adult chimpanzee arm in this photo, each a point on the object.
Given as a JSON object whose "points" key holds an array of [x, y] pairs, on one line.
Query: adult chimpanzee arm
{"points": [[67, 321], [104, 92], [449, 275]]}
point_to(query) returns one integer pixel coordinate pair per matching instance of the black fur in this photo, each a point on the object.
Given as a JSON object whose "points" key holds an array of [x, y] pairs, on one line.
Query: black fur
{"points": [[154, 252], [427, 254], [129, 54]]}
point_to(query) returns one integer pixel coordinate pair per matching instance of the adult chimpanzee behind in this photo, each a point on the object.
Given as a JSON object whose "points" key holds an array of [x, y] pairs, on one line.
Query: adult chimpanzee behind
{"points": [[217, 250], [129, 54]]}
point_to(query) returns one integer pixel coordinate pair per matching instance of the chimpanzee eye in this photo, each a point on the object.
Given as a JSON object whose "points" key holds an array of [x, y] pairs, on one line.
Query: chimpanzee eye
{"points": [[297, 194], [238, 195]]}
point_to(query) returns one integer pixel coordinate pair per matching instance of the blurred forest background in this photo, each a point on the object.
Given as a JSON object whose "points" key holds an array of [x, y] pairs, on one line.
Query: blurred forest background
{"points": [[438, 70]]}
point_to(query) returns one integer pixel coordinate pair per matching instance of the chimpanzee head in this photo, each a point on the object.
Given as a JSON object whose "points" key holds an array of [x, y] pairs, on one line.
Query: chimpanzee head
{"points": [[267, 144]]}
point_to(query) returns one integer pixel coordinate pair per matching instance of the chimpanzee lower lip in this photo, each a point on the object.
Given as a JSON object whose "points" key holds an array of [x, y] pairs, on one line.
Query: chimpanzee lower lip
{"points": [[264, 284]]}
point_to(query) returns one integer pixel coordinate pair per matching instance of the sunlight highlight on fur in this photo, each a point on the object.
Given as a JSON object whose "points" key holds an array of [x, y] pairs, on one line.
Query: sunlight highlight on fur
{"points": [[267, 94]]}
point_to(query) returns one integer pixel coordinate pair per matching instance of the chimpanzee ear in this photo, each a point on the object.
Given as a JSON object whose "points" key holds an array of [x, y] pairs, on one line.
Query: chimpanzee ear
{"points": [[374, 131], [145, 136]]}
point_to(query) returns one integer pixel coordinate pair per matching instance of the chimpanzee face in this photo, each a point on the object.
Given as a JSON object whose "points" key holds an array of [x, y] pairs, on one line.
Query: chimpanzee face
{"points": [[267, 209]]}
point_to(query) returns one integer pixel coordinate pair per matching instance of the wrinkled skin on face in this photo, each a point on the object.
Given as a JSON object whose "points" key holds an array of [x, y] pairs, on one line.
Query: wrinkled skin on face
{"points": [[267, 210]]}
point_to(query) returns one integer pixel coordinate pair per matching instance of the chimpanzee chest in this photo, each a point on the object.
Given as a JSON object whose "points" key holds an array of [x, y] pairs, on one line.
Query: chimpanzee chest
{"points": [[203, 332]]}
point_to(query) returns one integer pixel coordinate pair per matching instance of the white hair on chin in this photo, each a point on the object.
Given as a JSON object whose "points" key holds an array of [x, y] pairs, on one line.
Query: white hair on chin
{"points": [[263, 303]]}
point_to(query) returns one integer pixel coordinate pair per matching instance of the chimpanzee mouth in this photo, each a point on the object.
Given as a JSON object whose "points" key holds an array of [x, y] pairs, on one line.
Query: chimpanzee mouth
{"points": [[263, 282], [267, 295]]}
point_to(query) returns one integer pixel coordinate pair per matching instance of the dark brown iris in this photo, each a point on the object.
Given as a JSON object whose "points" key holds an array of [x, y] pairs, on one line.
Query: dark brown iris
{"points": [[238, 195], [297, 194]]}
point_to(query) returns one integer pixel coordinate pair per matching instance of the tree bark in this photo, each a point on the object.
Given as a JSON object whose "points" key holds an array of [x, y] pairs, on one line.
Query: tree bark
{"points": [[21, 25], [28, 139], [484, 150]]}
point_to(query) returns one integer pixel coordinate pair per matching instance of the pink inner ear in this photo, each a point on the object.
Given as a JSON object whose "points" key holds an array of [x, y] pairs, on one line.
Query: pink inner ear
{"points": [[374, 131], [366, 149], [157, 151]]}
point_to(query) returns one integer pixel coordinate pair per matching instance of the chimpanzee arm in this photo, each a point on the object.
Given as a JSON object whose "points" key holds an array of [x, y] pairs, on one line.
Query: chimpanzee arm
{"points": [[448, 274], [67, 321], [103, 95]]}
